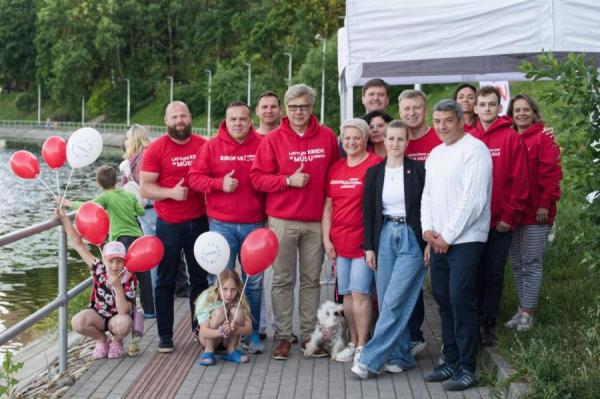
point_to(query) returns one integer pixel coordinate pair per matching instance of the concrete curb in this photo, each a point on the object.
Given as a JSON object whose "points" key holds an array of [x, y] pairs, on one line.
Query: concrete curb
{"points": [[495, 363]]}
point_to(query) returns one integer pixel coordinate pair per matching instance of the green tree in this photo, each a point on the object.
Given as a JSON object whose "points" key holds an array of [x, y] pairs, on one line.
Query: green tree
{"points": [[575, 103], [310, 73], [17, 33]]}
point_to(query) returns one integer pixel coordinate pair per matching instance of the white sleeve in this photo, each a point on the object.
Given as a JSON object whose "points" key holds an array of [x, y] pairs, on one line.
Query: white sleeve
{"points": [[477, 176], [426, 223]]}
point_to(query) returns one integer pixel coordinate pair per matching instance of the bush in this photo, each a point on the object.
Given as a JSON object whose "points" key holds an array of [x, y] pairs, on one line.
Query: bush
{"points": [[26, 102], [576, 100], [560, 357]]}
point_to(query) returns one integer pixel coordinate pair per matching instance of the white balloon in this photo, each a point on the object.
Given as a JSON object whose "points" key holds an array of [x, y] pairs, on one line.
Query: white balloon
{"points": [[211, 251], [84, 147]]}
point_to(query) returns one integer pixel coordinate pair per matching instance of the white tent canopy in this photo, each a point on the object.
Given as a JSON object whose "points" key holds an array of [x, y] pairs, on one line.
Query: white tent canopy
{"points": [[438, 41]]}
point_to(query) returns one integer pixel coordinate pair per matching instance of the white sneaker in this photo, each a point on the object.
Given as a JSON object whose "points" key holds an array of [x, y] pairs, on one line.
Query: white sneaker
{"points": [[392, 368], [346, 355], [525, 322], [514, 321], [357, 354], [360, 370], [417, 346]]}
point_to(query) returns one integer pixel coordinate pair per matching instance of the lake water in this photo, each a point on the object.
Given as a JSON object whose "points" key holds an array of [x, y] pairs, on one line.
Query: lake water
{"points": [[28, 268]]}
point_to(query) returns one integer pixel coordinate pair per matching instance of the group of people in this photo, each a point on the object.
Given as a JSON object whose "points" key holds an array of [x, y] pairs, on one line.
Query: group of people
{"points": [[382, 203]]}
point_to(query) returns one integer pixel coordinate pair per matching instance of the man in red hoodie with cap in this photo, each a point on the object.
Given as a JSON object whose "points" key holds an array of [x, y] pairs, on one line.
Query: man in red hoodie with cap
{"points": [[510, 189], [234, 209], [291, 167]]}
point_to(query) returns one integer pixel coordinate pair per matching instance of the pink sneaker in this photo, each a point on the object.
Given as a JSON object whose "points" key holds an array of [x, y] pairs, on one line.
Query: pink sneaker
{"points": [[100, 351], [115, 350]]}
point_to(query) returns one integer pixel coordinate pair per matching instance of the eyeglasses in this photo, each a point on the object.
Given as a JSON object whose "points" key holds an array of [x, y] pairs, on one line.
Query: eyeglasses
{"points": [[296, 107]]}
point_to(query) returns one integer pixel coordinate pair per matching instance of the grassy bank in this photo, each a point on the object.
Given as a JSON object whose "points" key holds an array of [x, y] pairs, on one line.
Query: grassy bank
{"points": [[560, 356], [9, 110]]}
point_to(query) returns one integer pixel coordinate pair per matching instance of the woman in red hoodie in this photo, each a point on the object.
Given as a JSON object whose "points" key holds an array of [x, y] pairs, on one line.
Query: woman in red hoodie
{"points": [[531, 236]]}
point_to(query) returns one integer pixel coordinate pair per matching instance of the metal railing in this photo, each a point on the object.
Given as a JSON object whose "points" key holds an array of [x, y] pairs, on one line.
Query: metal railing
{"points": [[101, 127], [62, 300]]}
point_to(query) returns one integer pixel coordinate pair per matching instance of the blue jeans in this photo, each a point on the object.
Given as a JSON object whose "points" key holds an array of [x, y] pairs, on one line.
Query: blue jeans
{"points": [[453, 277], [353, 275], [175, 238], [235, 233], [399, 267], [148, 224]]}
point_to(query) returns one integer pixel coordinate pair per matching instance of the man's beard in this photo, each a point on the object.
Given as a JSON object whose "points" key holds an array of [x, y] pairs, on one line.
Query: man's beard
{"points": [[179, 134]]}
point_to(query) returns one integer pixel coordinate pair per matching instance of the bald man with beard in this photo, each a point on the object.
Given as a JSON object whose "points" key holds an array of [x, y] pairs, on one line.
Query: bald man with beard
{"points": [[181, 213]]}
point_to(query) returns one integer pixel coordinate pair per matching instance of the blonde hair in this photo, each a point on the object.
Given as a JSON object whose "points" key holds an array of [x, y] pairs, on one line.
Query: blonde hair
{"points": [[137, 139], [214, 291]]}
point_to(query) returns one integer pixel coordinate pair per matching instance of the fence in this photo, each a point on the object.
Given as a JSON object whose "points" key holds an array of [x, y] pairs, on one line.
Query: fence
{"points": [[101, 127], [62, 300]]}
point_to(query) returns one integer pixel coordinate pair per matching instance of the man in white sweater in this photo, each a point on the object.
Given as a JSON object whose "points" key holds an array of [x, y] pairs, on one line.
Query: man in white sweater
{"points": [[455, 217]]}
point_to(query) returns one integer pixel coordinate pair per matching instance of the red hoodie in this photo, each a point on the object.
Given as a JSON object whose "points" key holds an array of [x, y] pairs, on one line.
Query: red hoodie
{"points": [[218, 157], [510, 185], [545, 173], [280, 154]]}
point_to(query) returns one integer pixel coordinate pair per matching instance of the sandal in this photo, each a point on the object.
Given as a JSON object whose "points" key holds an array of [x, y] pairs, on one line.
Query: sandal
{"points": [[100, 351], [115, 350], [207, 359], [235, 357]]}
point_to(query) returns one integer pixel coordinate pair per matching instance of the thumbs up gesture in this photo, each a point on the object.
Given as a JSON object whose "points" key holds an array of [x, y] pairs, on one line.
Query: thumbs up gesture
{"points": [[179, 192], [230, 183], [299, 178]]}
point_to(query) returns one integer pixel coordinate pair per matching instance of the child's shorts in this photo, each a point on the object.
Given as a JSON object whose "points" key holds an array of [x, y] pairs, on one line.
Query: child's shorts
{"points": [[353, 275]]}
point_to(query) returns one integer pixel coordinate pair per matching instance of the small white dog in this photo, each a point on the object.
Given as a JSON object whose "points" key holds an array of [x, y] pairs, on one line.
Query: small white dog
{"points": [[328, 331]]}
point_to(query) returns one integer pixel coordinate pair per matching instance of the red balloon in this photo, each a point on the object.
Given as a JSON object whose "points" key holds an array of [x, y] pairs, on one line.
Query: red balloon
{"points": [[144, 254], [25, 165], [92, 222], [54, 151], [259, 251]]}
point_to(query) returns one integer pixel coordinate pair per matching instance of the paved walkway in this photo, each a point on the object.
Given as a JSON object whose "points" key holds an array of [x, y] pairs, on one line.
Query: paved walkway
{"points": [[175, 375]]}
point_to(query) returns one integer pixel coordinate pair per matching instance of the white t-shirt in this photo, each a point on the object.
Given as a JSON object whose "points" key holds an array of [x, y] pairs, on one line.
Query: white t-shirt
{"points": [[457, 194], [393, 192]]}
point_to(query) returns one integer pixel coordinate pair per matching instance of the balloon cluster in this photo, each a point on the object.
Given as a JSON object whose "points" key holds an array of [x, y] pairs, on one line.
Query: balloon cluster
{"points": [[82, 149], [258, 253]]}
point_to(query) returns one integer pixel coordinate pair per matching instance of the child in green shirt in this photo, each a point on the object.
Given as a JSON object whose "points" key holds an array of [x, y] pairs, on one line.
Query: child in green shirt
{"points": [[122, 207]]}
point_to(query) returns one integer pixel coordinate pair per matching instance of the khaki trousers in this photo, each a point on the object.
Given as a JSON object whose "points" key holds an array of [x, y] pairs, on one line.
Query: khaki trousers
{"points": [[305, 239]]}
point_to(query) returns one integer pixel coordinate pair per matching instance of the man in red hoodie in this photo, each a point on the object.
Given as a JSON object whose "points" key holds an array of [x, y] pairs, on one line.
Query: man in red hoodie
{"points": [[222, 171], [510, 189], [291, 167], [412, 107], [181, 213]]}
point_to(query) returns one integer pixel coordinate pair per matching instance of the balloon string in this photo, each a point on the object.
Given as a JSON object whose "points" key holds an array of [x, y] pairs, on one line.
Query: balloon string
{"points": [[222, 299], [241, 296], [57, 183], [66, 189], [45, 185]]}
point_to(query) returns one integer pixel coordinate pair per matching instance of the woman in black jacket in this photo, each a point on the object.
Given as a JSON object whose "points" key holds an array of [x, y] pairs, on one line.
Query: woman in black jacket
{"points": [[395, 250]]}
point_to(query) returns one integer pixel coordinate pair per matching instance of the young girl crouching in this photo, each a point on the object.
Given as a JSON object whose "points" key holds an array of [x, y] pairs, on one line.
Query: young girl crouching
{"points": [[214, 327], [113, 295]]}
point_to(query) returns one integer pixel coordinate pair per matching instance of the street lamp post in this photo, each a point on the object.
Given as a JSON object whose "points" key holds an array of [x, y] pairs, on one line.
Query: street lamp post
{"points": [[170, 88], [249, 82], [128, 102], [82, 111], [209, 72], [289, 68], [324, 41], [39, 104]]}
